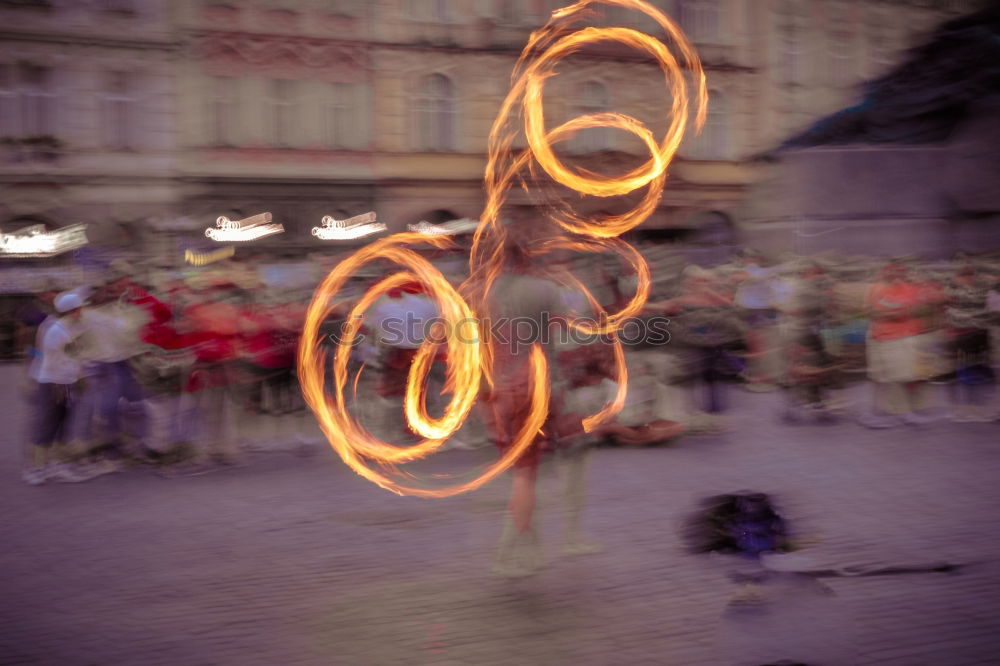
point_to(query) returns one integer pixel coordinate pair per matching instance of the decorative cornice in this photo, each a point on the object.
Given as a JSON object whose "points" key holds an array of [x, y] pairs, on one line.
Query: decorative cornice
{"points": [[137, 42], [263, 49], [282, 185]]}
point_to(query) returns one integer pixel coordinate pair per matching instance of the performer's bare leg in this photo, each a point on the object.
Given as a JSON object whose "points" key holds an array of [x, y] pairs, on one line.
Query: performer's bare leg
{"points": [[520, 552], [522, 497], [574, 498]]}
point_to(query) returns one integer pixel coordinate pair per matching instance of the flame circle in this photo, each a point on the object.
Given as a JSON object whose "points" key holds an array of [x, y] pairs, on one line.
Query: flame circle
{"points": [[470, 360]]}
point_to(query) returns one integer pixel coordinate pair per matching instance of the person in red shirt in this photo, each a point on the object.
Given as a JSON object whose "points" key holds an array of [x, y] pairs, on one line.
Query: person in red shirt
{"points": [[163, 371], [210, 327]]}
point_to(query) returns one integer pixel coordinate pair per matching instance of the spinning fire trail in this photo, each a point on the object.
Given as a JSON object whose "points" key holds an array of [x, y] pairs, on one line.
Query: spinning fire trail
{"points": [[471, 363]]}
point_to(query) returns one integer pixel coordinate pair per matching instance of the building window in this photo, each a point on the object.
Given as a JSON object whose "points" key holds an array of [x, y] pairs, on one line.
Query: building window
{"points": [[118, 114], [626, 17], [118, 6], [879, 47], [430, 10], [713, 142], [435, 109], [26, 100], [507, 12], [538, 11], [225, 106], [841, 61], [840, 44], [790, 44], [700, 19], [352, 8], [791, 57], [594, 98], [9, 117], [281, 100], [342, 115]]}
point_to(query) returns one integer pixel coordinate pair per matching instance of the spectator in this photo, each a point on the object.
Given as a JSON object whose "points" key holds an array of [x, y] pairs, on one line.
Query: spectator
{"points": [[898, 306], [56, 371]]}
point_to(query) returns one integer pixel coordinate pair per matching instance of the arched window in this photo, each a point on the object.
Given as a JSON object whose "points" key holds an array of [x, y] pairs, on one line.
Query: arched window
{"points": [[714, 143], [435, 113], [594, 98]]}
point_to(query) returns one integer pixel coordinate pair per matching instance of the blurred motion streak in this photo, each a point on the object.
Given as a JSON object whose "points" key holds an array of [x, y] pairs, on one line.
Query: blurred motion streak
{"points": [[205, 258]]}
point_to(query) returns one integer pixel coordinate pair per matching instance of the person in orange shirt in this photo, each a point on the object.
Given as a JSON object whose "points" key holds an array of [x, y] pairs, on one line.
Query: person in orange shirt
{"points": [[897, 344]]}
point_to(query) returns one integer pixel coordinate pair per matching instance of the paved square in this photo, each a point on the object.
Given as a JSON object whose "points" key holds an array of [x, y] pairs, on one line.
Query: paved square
{"points": [[293, 560]]}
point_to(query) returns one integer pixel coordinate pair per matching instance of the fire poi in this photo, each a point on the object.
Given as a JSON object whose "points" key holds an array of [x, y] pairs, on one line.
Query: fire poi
{"points": [[469, 355]]}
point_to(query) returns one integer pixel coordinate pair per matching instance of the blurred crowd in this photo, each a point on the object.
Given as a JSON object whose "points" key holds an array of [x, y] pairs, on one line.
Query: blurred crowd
{"points": [[188, 373], [809, 326], [124, 372]]}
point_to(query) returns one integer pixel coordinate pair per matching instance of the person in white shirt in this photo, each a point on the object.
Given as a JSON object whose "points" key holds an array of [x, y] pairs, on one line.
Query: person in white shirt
{"points": [[993, 308], [56, 372], [394, 328]]}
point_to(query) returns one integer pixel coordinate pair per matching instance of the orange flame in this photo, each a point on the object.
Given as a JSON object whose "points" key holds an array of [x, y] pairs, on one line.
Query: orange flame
{"points": [[469, 355]]}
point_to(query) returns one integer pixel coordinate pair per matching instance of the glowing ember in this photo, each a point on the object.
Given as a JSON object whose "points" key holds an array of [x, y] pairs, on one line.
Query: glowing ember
{"points": [[469, 357]]}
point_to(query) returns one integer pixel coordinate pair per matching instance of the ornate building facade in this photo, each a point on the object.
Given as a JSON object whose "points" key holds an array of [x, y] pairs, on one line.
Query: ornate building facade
{"points": [[87, 129], [276, 111], [308, 107], [118, 112]]}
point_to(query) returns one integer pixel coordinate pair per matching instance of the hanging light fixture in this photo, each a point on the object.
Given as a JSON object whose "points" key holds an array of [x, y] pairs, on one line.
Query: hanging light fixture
{"points": [[251, 228], [452, 228], [352, 228], [34, 241]]}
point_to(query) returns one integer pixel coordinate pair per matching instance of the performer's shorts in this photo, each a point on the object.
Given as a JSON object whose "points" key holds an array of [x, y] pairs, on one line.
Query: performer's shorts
{"points": [[506, 413], [395, 369]]}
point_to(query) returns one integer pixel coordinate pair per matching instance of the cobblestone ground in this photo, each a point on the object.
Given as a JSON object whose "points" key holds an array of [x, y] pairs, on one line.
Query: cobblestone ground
{"points": [[293, 560]]}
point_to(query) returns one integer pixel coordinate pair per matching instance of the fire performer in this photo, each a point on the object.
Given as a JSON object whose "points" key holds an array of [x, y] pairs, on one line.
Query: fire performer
{"points": [[524, 304]]}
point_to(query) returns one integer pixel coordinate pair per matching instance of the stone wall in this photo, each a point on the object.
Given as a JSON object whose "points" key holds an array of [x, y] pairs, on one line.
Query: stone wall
{"points": [[882, 200]]}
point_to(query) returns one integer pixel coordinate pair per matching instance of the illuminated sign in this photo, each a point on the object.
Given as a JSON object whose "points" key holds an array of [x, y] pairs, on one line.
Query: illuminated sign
{"points": [[251, 228], [34, 241], [352, 228]]}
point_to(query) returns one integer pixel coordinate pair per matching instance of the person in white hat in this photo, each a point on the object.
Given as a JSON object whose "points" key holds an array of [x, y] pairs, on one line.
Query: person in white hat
{"points": [[56, 373]]}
